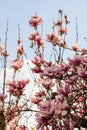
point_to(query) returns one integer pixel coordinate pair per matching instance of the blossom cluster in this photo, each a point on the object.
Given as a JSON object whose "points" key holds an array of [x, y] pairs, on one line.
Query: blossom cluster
{"points": [[61, 98], [16, 87], [62, 101]]}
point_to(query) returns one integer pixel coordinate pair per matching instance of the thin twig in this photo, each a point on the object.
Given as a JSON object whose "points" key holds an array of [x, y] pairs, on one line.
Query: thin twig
{"points": [[5, 58]]}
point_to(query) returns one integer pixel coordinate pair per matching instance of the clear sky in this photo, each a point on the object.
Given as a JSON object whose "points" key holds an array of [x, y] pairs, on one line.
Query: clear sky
{"points": [[20, 11]]}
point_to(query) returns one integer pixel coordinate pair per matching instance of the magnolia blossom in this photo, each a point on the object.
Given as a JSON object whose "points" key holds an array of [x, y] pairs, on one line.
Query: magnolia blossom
{"points": [[22, 127], [36, 39], [16, 87], [83, 51], [38, 60], [49, 112], [36, 69], [47, 83], [13, 112], [55, 71], [63, 44], [39, 41], [58, 23], [54, 38], [34, 100], [2, 97], [38, 98], [20, 41], [35, 21], [75, 47], [20, 49], [64, 90], [62, 30], [3, 51], [12, 125], [33, 36], [17, 63], [67, 99]]}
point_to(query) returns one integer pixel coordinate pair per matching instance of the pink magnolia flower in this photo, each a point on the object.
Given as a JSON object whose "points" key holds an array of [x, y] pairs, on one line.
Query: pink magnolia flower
{"points": [[63, 44], [36, 69], [13, 112], [36, 38], [54, 38], [75, 47], [47, 83], [58, 23], [83, 51], [16, 87], [12, 125], [33, 36], [38, 97], [20, 41], [55, 70], [40, 94], [34, 100], [3, 51], [48, 113], [39, 40], [65, 90], [38, 60], [23, 127], [77, 60], [61, 109], [43, 117], [62, 30], [20, 49], [17, 63], [2, 97], [20, 106], [35, 21]]}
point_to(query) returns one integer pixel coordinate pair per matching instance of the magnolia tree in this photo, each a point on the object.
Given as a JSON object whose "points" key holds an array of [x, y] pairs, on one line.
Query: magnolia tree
{"points": [[60, 101]]}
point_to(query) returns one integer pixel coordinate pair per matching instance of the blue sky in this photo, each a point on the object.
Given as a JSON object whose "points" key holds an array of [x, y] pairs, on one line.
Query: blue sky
{"points": [[20, 11]]}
